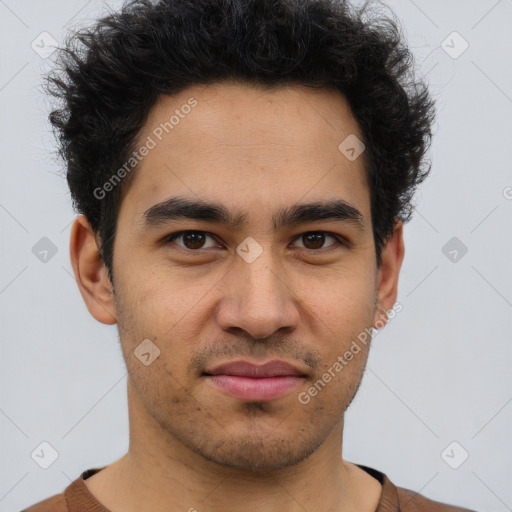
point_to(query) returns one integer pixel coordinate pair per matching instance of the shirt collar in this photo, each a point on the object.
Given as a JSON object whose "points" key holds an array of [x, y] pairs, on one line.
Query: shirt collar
{"points": [[79, 497]]}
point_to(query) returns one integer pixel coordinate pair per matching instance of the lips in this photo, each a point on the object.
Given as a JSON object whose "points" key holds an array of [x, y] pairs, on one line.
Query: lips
{"points": [[255, 382], [275, 368]]}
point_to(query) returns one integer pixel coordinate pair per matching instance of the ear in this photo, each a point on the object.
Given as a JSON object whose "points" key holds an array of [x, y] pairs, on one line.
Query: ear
{"points": [[387, 279], [90, 272]]}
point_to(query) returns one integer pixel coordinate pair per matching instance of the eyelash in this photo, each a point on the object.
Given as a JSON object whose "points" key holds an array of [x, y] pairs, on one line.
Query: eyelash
{"points": [[173, 236]]}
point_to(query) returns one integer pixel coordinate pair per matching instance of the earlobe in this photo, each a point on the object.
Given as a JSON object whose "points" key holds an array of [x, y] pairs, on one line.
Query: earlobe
{"points": [[91, 273], [387, 280]]}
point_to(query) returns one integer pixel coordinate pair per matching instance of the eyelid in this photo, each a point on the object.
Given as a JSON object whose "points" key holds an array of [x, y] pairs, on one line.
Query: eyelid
{"points": [[341, 241]]}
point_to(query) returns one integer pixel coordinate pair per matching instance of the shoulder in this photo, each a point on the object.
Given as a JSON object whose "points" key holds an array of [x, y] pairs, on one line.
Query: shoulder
{"points": [[56, 503], [398, 499], [75, 497], [411, 501]]}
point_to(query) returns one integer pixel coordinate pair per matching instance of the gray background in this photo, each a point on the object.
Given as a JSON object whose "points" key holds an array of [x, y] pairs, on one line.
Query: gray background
{"points": [[438, 373]]}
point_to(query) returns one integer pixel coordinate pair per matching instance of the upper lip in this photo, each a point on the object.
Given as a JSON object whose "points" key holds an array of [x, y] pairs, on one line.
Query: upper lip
{"points": [[273, 368]]}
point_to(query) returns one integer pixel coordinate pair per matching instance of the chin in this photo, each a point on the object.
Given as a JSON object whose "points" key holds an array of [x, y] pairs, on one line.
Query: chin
{"points": [[257, 453]]}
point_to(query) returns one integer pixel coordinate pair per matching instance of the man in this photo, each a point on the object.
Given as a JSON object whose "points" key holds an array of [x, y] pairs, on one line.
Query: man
{"points": [[243, 170]]}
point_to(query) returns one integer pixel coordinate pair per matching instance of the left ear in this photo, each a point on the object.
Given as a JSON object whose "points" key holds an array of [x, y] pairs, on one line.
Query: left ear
{"points": [[387, 279]]}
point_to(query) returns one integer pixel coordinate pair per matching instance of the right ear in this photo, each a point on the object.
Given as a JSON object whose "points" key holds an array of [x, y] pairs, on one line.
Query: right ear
{"points": [[90, 272]]}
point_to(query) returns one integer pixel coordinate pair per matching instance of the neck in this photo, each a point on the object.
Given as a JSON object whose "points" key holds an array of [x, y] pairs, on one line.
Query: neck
{"points": [[160, 473]]}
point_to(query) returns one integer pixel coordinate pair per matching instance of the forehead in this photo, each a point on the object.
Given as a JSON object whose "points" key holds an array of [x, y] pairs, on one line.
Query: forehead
{"points": [[236, 143]]}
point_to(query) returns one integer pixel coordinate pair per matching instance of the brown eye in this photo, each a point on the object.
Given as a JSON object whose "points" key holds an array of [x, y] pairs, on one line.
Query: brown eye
{"points": [[314, 240], [192, 240]]}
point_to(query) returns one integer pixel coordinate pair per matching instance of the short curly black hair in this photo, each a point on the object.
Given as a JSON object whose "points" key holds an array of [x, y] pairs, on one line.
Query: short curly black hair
{"points": [[109, 76]]}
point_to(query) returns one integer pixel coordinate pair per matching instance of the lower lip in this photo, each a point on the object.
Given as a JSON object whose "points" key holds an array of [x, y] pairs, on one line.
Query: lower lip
{"points": [[248, 388]]}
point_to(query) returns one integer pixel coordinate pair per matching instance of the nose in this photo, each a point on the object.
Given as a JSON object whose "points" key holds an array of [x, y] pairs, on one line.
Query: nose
{"points": [[258, 298]]}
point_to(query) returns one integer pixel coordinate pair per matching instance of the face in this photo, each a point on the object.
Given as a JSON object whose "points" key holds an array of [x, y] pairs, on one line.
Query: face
{"points": [[262, 277]]}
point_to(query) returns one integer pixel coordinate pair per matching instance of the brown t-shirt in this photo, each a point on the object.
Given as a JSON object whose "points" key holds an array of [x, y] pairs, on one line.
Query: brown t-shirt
{"points": [[77, 498]]}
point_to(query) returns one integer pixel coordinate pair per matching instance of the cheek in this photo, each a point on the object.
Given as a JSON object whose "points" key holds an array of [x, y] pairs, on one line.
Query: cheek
{"points": [[347, 303], [161, 305], [346, 315], [172, 316]]}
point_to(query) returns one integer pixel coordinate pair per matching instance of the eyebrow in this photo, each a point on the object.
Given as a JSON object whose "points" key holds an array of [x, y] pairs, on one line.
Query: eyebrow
{"points": [[179, 207]]}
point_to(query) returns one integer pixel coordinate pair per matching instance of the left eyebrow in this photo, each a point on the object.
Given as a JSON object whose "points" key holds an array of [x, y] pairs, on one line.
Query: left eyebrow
{"points": [[179, 207]]}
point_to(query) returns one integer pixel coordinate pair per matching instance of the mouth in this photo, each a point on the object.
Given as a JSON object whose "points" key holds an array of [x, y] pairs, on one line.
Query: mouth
{"points": [[255, 382]]}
